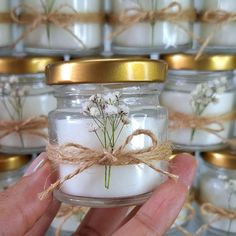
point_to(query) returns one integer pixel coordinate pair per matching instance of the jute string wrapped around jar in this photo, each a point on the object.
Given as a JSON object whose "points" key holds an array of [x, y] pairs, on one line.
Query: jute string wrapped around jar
{"points": [[76, 154]]}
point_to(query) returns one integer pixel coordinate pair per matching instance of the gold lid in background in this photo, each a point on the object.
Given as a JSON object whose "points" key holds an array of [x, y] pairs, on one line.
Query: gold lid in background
{"points": [[13, 162], [115, 70], [25, 65], [205, 62], [224, 158]]}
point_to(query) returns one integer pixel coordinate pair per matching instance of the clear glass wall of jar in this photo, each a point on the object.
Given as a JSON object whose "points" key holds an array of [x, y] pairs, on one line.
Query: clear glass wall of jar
{"points": [[130, 87], [11, 169], [25, 102], [200, 95], [145, 26], [218, 188], [74, 27], [215, 27], [5, 24]]}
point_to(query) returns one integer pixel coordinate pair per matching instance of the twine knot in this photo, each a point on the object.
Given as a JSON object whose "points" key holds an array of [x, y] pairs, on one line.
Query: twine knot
{"points": [[85, 157]]}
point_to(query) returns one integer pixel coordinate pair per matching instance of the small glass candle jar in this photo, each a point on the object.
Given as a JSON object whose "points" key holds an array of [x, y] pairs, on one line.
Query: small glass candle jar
{"points": [[68, 219], [25, 101], [5, 24], [74, 27], [11, 169], [217, 20], [218, 188], [200, 96], [101, 103], [147, 26]]}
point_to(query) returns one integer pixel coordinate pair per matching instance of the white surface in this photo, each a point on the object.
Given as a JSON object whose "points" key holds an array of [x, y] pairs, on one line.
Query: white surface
{"points": [[181, 102], [126, 180], [33, 106], [5, 29], [162, 34], [89, 33], [214, 190]]}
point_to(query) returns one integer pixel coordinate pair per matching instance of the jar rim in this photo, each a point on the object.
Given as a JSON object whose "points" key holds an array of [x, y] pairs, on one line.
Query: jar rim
{"points": [[222, 158], [25, 65], [12, 162], [106, 70], [207, 62]]}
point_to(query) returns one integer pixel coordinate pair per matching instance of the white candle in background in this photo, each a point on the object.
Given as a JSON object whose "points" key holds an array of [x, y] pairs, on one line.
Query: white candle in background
{"points": [[138, 35], [217, 192], [181, 102], [227, 30], [170, 34], [89, 33], [34, 106], [5, 28], [128, 180], [162, 34]]}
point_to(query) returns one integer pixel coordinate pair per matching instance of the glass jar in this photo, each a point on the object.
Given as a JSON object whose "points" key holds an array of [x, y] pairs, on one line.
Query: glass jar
{"points": [[72, 27], [218, 187], [25, 102], [11, 169], [147, 26], [200, 96], [5, 24], [100, 103], [68, 219], [217, 21]]}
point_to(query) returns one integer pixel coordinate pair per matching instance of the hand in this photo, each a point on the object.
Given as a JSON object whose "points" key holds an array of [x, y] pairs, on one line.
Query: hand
{"points": [[22, 213]]}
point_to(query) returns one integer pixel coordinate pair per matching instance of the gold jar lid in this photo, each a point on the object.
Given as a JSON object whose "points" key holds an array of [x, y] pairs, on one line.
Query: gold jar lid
{"points": [[206, 62], [223, 159], [115, 70], [25, 65], [13, 162]]}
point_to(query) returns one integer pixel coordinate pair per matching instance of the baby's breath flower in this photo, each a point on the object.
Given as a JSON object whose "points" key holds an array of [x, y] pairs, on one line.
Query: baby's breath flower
{"points": [[13, 79], [111, 98], [94, 111], [93, 127], [125, 120], [111, 110], [123, 110]]}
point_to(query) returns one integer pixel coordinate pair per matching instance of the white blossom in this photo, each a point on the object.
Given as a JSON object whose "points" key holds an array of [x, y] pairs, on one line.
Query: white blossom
{"points": [[123, 109], [111, 110], [94, 111], [13, 79], [125, 120], [93, 127], [111, 98]]}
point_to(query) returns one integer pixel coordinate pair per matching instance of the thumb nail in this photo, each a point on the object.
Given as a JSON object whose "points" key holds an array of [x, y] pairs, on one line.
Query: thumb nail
{"points": [[36, 164]]}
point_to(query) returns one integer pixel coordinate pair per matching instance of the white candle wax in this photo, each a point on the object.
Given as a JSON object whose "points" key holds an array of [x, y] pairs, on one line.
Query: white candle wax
{"points": [[138, 35], [227, 29], [128, 180], [5, 28], [34, 106], [161, 34], [180, 102], [89, 33], [171, 34], [217, 192]]}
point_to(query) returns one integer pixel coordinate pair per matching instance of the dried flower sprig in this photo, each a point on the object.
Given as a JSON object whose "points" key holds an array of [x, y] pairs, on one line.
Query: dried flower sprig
{"points": [[205, 94], [109, 118], [13, 98]]}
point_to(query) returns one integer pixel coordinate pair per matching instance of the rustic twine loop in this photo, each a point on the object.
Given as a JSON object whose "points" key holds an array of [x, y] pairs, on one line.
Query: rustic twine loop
{"points": [[129, 17], [35, 18], [218, 17], [179, 120], [85, 157], [31, 126], [220, 212]]}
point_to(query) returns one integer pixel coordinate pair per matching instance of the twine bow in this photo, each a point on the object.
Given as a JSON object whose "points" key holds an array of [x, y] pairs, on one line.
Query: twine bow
{"points": [[85, 157], [218, 17], [179, 120], [35, 18], [134, 15], [32, 126]]}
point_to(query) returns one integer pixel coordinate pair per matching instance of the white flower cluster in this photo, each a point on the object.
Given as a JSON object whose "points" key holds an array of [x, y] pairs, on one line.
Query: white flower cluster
{"points": [[205, 93], [8, 87], [106, 106]]}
